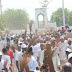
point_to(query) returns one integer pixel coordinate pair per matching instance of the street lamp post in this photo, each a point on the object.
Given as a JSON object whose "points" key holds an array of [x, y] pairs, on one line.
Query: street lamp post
{"points": [[63, 13]]}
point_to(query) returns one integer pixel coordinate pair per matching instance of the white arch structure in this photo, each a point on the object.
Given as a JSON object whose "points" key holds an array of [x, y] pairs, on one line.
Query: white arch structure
{"points": [[41, 11]]}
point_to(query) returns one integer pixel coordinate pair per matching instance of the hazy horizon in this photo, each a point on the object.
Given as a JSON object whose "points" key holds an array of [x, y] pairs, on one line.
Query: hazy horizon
{"points": [[30, 5]]}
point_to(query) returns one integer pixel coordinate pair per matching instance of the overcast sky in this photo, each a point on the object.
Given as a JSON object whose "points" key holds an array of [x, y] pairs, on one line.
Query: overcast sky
{"points": [[30, 6]]}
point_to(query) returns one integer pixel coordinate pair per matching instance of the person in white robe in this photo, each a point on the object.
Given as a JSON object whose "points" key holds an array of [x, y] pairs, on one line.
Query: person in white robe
{"points": [[3, 64], [69, 43], [32, 64], [55, 58], [41, 54], [62, 49], [6, 57], [2, 44], [35, 50]]}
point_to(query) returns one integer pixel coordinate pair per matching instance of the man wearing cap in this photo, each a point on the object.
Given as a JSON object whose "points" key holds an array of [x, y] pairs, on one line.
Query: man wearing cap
{"points": [[55, 58], [68, 51], [47, 38], [35, 49], [41, 54], [41, 40], [24, 48], [69, 45], [62, 49]]}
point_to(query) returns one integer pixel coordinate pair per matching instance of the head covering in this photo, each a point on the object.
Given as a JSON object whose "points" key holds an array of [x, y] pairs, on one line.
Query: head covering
{"points": [[47, 36], [69, 56], [69, 39], [41, 39], [0, 53], [42, 43], [61, 37], [53, 39], [48, 42], [64, 36], [68, 50], [23, 46], [12, 36]]}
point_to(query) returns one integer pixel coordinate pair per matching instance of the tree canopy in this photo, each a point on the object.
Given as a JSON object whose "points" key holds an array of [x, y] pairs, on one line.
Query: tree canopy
{"points": [[57, 17], [15, 18]]}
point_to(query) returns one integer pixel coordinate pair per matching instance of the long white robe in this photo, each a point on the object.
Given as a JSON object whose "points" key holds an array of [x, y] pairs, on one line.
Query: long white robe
{"points": [[55, 59], [62, 49], [41, 56], [35, 49]]}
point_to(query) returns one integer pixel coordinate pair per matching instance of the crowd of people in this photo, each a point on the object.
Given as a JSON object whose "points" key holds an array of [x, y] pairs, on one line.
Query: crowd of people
{"points": [[39, 52]]}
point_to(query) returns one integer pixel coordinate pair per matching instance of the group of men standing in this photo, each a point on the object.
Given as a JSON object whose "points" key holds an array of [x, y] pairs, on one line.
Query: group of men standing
{"points": [[43, 52]]}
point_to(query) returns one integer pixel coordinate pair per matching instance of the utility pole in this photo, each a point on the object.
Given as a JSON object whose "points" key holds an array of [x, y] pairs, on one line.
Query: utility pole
{"points": [[1, 11], [63, 13]]}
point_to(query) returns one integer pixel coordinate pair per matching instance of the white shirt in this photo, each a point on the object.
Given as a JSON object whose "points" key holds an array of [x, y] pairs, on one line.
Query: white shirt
{"points": [[32, 64], [55, 59], [14, 54], [18, 56], [1, 64], [35, 49], [11, 42], [6, 57], [62, 49], [41, 56]]}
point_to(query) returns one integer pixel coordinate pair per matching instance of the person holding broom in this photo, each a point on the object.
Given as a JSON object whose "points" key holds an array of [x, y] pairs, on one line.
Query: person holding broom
{"points": [[48, 53]]}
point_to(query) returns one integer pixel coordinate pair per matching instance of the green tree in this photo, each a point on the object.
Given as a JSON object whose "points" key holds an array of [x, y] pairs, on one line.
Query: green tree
{"points": [[15, 19], [70, 18], [1, 26], [57, 16]]}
